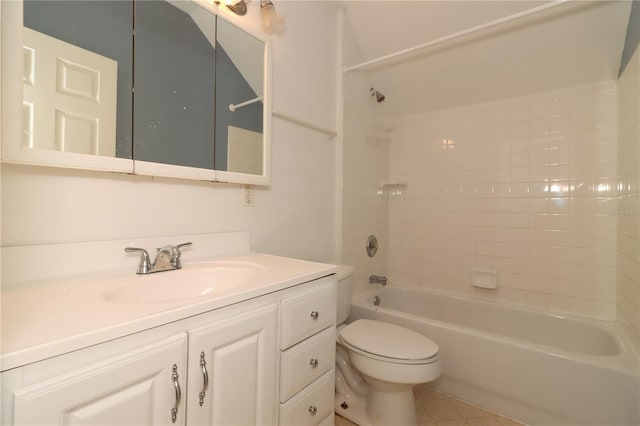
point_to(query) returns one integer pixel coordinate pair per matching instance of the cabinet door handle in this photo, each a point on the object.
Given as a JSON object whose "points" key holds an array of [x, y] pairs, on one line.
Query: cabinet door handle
{"points": [[314, 314], [176, 385], [205, 377], [313, 410], [313, 362]]}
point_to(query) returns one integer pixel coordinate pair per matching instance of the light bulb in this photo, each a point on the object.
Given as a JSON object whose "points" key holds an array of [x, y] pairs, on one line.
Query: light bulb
{"points": [[271, 22]]}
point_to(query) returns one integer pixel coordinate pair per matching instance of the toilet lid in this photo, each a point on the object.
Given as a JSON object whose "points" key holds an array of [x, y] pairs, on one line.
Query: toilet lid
{"points": [[388, 340]]}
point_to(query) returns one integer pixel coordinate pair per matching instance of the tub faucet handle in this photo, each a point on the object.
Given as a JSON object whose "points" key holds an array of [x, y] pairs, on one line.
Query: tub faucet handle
{"points": [[377, 279]]}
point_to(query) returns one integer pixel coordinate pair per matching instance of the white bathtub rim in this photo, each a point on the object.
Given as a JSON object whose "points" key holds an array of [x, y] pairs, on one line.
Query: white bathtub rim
{"points": [[606, 325], [626, 361], [598, 322]]}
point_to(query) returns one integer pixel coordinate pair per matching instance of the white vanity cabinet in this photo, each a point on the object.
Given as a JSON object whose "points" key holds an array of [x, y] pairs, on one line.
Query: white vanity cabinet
{"points": [[307, 361], [233, 370], [221, 367], [142, 387]]}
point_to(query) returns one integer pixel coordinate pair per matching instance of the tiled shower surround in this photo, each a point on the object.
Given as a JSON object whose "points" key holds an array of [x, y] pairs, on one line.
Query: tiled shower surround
{"points": [[525, 187], [628, 210]]}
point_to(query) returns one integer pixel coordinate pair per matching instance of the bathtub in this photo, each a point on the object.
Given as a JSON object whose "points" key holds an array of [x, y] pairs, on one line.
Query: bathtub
{"points": [[535, 367]]}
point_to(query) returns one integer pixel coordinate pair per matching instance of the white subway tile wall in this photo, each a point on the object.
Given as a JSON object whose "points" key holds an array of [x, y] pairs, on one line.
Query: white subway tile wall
{"points": [[628, 208], [525, 187]]}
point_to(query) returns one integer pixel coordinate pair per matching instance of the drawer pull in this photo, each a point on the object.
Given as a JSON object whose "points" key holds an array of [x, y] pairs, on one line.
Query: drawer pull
{"points": [[313, 362], [176, 385], [313, 410], [205, 377], [314, 314]]}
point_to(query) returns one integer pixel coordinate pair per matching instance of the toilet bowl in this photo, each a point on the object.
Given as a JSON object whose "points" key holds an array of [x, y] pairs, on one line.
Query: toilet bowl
{"points": [[378, 364]]}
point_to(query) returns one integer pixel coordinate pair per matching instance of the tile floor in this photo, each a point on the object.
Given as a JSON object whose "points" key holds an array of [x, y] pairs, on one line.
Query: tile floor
{"points": [[438, 409]]}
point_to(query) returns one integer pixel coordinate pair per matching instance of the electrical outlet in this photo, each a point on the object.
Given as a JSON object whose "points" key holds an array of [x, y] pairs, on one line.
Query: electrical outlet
{"points": [[247, 196]]}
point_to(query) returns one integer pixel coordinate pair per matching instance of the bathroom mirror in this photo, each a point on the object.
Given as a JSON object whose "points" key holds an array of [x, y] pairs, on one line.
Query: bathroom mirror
{"points": [[175, 79], [78, 76], [239, 102], [161, 108]]}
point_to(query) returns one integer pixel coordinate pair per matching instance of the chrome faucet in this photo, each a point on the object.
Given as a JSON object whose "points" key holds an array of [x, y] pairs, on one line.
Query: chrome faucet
{"points": [[377, 279], [167, 259]]}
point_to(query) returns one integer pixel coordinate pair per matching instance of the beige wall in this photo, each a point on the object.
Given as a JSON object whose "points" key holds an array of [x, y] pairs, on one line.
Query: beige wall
{"points": [[628, 209]]}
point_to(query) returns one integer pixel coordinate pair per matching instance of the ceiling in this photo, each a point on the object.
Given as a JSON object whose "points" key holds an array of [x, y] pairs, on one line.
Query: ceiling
{"points": [[576, 43]]}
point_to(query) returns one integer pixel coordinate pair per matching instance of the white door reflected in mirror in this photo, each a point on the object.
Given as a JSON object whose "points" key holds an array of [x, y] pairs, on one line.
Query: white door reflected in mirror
{"points": [[75, 111]]}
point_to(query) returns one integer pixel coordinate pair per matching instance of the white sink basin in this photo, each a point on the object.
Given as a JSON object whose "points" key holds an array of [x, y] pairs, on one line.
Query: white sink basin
{"points": [[197, 280]]}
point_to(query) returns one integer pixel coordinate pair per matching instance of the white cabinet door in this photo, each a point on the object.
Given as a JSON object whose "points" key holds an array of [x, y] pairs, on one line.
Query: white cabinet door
{"points": [[136, 388], [240, 356]]}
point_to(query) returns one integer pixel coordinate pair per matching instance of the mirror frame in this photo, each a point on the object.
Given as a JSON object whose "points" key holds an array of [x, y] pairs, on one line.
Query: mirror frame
{"points": [[13, 151]]}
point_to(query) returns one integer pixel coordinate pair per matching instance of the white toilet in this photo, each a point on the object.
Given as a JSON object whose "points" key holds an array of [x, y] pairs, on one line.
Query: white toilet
{"points": [[378, 364]]}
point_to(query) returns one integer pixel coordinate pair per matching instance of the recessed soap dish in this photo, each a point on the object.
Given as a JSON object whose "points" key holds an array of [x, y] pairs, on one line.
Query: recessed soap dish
{"points": [[484, 278]]}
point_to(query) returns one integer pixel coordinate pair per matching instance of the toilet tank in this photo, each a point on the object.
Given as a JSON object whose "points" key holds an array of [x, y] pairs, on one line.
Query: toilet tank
{"points": [[345, 287]]}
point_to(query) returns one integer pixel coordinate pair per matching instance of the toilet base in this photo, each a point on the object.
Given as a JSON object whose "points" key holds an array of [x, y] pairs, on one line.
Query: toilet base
{"points": [[352, 408], [384, 404], [350, 402], [391, 406], [370, 401], [396, 409]]}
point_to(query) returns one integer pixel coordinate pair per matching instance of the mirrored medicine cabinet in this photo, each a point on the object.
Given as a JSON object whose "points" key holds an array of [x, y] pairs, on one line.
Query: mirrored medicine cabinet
{"points": [[162, 88]]}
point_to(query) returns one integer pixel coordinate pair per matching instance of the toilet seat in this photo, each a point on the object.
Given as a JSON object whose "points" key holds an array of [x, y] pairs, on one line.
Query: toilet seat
{"points": [[388, 360], [389, 343]]}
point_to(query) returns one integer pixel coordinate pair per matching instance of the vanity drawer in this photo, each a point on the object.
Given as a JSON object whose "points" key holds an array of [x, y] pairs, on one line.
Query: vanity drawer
{"points": [[306, 361], [311, 405], [304, 315]]}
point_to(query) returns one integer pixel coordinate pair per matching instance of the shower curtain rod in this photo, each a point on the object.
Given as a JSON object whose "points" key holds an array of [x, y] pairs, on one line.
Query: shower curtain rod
{"points": [[459, 34], [291, 119], [234, 107]]}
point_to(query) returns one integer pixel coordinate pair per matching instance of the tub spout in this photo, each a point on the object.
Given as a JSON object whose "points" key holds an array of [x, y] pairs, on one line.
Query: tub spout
{"points": [[377, 279]]}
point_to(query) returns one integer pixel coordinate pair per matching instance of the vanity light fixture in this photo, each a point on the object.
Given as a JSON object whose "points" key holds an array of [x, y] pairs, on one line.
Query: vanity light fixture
{"points": [[272, 23], [239, 7]]}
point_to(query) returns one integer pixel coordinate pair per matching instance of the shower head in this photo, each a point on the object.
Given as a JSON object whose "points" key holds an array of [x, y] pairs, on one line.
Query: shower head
{"points": [[379, 96]]}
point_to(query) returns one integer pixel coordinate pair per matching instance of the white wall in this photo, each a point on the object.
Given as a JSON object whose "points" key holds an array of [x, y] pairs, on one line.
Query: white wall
{"points": [[294, 216], [524, 187], [628, 209]]}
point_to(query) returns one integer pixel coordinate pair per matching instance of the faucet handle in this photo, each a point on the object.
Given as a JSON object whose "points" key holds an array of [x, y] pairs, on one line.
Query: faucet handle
{"points": [[145, 264], [179, 246], [175, 254]]}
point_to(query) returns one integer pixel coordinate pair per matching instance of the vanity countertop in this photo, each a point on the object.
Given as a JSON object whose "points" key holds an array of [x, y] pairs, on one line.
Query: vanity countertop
{"points": [[42, 319]]}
